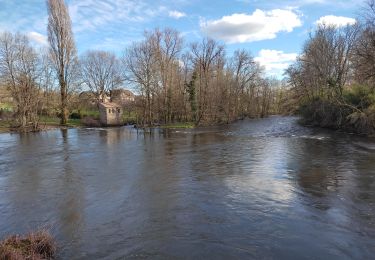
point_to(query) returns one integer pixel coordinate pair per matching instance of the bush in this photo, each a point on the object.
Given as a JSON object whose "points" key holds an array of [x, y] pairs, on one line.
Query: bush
{"points": [[75, 115], [362, 123], [323, 113], [33, 246], [5, 114], [91, 121], [359, 96]]}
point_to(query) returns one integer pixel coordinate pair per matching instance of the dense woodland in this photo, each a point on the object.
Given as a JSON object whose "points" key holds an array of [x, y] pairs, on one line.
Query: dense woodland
{"points": [[333, 80], [332, 83]]}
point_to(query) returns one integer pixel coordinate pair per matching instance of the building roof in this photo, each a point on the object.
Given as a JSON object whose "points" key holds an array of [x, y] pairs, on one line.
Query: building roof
{"points": [[116, 92], [109, 105]]}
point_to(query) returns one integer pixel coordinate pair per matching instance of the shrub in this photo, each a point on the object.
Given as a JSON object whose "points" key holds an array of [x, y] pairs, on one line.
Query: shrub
{"points": [[34, 246], [91, 121], [362, 123], [322, 112], [5, 114], [359, 96], [75, 115]]}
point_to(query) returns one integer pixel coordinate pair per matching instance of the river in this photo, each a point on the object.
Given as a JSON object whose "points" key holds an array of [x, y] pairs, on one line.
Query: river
{"points": [[261, 189]]}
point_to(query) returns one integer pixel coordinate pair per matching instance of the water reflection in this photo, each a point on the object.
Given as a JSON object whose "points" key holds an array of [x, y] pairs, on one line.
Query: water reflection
{"points": [[257, 189]]}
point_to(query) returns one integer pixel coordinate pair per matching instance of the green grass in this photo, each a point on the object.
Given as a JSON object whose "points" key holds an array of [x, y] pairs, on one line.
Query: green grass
{"points": [[129, 117], [186, 125], [6, 106], [92, 113], [55, 121]]}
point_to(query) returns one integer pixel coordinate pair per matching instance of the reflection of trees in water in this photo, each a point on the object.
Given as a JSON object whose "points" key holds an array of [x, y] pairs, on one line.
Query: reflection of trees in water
{"points": [[209, 152], [338, 178], [364, 195], [24, 187], [152, 211], [318, 165], [71, 192], [112, 136]]}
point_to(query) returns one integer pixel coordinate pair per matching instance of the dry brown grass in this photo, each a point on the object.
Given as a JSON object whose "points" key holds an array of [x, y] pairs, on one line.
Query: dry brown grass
{"points": [[33, 246]]}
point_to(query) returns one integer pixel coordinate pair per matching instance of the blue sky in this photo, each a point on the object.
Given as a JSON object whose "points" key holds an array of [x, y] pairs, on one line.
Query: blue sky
{"points": [[274, 31]]}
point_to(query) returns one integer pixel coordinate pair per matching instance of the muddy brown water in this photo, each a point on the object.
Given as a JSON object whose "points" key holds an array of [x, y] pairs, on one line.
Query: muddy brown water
{"points": [[257, 189]]}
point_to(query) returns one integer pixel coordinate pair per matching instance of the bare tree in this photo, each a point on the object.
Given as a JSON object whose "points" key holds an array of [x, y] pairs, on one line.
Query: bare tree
{"points": [[325, 64], [139, 63], [200, 86], [205, 54], [62, 50], [246, 72], [47, 84], [20, 72], [368, 13], [167, 45], [100, 71], [364, 60]]}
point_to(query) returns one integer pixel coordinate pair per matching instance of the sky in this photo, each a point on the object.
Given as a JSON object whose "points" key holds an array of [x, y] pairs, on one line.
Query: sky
{"points": [[273, 31]]}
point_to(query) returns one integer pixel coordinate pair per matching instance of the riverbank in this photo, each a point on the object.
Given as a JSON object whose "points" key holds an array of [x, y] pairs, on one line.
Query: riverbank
{"points": [[52, 124], [345, 117], [6, 126]]}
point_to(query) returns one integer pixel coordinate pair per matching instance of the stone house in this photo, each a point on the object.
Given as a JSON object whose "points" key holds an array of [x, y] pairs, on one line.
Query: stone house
{"points": [[110, 114]]}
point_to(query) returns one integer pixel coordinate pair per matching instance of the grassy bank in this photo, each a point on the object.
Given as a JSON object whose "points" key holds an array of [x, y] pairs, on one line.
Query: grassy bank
{"points": [[54, 121], [45, 123], [34, 246]]}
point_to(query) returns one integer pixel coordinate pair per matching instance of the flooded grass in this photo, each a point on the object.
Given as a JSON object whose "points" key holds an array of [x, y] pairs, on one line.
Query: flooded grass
{"points": [[179, 125], [34, 246], [4, 126]]}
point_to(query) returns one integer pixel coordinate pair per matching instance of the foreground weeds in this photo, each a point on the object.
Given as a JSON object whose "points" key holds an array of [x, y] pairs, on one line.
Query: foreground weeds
{"points": [[33, 246]]}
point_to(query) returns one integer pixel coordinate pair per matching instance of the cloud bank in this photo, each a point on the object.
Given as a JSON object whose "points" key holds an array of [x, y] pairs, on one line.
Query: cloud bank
{"points": [[260, 25]]}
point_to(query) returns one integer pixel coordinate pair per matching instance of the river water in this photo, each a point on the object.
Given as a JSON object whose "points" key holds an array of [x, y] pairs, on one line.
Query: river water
{"points": [[263, 189]]}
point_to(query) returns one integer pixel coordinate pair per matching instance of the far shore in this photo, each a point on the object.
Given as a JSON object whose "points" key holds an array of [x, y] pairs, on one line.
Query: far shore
{"points": [[5, 127]]}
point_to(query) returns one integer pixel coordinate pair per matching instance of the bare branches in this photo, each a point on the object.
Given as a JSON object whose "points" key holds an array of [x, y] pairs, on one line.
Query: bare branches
{"points": [[201, 85], [20, 72], [100, 72], [324, 66]]}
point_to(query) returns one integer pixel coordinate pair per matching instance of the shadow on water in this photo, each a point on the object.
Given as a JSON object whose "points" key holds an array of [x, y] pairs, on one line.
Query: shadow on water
{"points": [[265, 188]]}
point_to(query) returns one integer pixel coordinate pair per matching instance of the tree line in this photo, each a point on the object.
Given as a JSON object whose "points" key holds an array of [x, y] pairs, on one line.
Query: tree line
{"points": [[175, 81], [333, 80]]}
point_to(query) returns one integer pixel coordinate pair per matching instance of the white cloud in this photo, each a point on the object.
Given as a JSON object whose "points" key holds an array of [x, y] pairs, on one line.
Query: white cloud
{"points": [[260, 25], [38, 38], [274, 61], [176, 14], [338, 21]]}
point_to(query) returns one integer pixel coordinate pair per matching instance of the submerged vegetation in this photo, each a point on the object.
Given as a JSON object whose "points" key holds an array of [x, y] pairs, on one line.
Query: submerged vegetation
{"points": [[185, 125], [34, 246]]}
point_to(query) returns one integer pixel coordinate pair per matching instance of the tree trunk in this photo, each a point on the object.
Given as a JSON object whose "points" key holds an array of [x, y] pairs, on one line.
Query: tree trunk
{"points": [[64, 103]]}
